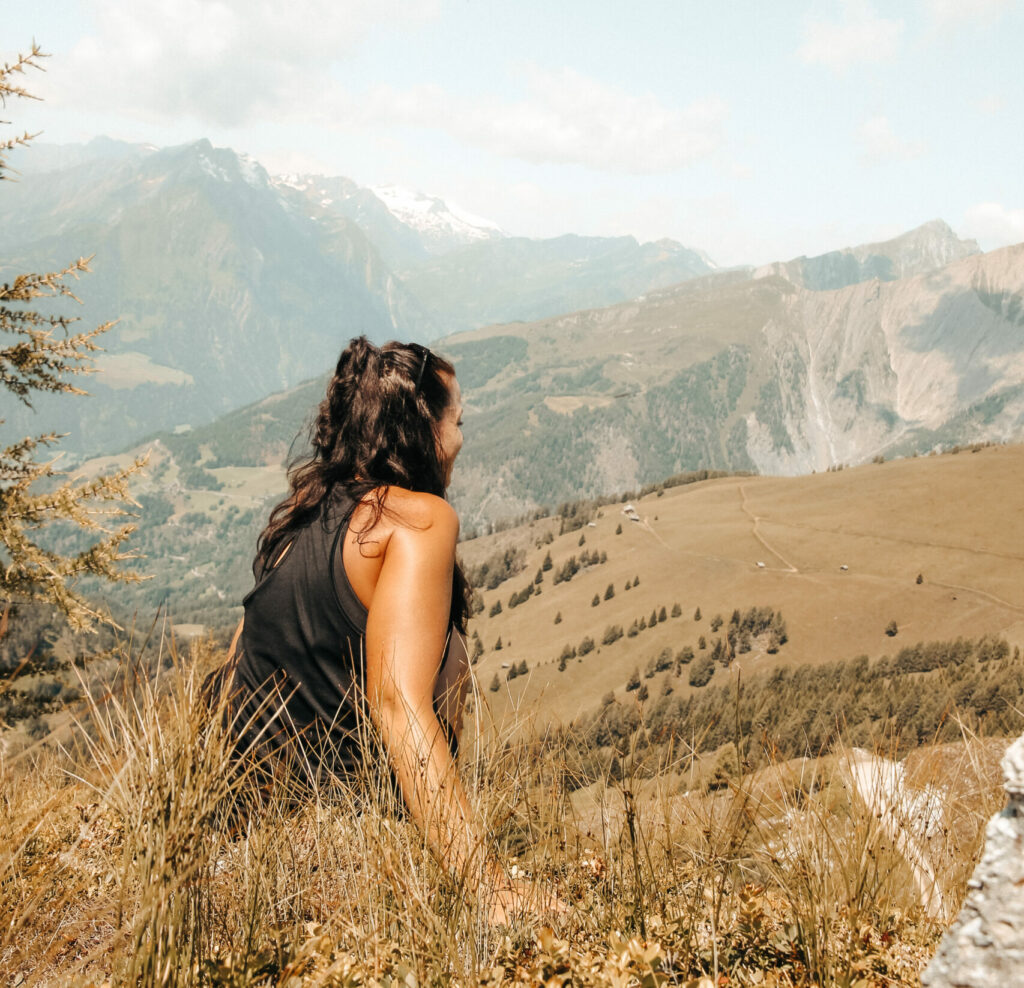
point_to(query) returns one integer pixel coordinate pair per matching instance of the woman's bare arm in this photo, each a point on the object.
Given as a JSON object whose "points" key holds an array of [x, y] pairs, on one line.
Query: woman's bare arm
{"points": [[405, 638]]}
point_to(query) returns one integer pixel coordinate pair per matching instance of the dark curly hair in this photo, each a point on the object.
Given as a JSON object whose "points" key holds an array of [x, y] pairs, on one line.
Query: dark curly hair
{"points": [[377, 427]]}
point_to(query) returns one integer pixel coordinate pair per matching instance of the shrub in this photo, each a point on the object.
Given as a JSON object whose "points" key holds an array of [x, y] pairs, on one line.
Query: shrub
{"points": [[702, 670], [586, 646], [892, 629]]}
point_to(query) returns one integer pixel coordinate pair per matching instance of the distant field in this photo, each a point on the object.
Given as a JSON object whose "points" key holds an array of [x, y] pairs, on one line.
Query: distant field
{"points": [[956, 519]]}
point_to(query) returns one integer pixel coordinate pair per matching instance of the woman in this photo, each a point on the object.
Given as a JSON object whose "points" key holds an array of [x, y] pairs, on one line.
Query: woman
{"points": [[359, 603]]}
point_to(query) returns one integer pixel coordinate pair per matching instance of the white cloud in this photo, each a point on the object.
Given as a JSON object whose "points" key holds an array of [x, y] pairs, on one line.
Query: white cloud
{"points": [[880, 143], [225, 62], [952, 13], [990, 105], [566, 118], [860, 35], [994, 225]]}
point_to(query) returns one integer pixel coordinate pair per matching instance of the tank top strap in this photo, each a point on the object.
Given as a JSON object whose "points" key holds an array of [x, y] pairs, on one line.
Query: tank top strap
{"points": [[351, 606]]}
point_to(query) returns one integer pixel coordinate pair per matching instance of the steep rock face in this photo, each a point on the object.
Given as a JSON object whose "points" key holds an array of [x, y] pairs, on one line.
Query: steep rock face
{"points": [[872, 366], [930, 246], [984, 947]]}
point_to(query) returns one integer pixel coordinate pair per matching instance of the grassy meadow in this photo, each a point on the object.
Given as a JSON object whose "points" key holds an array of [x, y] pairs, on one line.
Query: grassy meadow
{"points": [[841, 554], [129, 854]]}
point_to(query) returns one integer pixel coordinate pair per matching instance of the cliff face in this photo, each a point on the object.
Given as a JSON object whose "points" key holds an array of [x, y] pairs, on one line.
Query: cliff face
{"points": [[879, 367]]}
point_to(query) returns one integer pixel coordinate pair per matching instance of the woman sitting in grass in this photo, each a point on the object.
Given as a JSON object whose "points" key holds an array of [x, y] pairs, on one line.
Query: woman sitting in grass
{"points": [[360, 606]]}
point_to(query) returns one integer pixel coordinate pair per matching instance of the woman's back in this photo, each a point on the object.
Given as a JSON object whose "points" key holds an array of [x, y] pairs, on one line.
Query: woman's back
{"points": [[300, 658]]}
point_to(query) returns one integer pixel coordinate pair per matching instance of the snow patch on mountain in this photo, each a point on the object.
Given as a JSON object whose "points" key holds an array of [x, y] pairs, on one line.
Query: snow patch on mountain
{"points": [[435, 219]]}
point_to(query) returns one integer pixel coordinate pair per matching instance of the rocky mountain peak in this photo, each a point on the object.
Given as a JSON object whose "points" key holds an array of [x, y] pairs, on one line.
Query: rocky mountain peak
{"points": [[442, 225], [924, 248]]}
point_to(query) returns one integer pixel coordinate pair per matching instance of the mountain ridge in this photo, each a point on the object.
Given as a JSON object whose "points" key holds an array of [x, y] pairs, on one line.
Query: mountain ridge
{"points": [[228, 285]]}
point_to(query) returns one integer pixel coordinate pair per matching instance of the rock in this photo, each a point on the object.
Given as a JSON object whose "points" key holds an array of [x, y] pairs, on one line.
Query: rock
{"points": [[984, 948]]}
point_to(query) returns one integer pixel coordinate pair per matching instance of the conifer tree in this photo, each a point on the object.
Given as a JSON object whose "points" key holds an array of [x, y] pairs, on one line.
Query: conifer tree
{"points": [[38, 353]]}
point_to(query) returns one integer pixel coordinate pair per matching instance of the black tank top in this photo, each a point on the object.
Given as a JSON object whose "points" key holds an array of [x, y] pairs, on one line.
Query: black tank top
{"points": [[299, 674]]}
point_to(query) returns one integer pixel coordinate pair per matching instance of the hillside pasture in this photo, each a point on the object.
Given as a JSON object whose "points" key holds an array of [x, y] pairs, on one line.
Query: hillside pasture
{"points": [[841, 553]]}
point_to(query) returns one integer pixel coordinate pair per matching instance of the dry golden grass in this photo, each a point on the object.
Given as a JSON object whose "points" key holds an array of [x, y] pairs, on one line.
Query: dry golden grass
{"points": [[955, 519], [123, 862]]}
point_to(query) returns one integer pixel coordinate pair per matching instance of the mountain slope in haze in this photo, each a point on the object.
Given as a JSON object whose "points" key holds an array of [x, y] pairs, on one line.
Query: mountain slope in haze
{"points": [[722, 372], [520, 279], [223, 289], [731, 372], [925, 248], [406, 227], [228, 285]]}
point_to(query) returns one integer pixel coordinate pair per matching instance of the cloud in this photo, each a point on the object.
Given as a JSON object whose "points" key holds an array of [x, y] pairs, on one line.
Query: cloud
{"points": [[991, 105], [994, 225], [880, 143], [953, 13], [859, 36], [226, 62], [567, 118]]}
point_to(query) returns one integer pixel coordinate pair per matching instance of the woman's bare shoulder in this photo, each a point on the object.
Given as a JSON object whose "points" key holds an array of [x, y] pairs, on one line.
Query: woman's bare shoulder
{"points": [[412, 512]]}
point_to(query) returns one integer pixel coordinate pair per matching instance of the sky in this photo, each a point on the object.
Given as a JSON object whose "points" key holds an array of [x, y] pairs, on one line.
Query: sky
{"points": [[753, 131]]}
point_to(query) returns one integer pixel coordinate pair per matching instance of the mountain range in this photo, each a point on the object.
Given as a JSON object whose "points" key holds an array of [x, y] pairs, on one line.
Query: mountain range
{"points": [[228, 284], [591, 364], [737, 370]]}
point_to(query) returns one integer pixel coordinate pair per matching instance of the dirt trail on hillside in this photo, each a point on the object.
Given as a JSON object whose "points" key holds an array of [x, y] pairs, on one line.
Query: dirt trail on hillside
{"points": [[990, 597], [756, 521], [896, 538]]}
